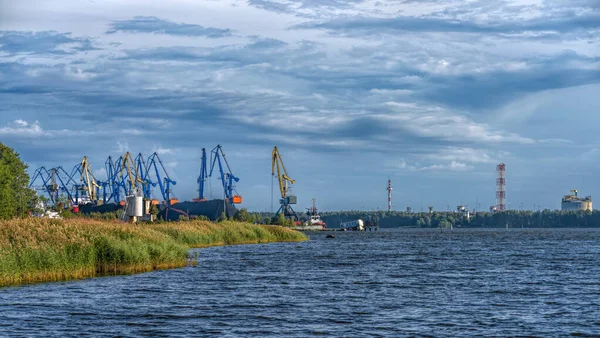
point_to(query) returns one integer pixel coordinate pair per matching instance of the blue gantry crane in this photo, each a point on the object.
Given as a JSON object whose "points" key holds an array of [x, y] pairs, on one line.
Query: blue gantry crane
{"points": [[164, 182], [49, 184], [53, 183], [227, 177]]}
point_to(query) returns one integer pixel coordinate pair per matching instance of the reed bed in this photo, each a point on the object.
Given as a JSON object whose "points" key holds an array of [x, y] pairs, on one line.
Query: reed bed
{"points": [[44, 250]]}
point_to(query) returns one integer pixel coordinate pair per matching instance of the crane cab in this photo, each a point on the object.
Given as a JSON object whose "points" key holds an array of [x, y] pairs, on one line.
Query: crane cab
{"points": [[236, 199]]}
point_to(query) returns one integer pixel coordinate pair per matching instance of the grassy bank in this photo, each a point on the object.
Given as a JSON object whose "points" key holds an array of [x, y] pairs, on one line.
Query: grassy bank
{"points": [[42, 250]]}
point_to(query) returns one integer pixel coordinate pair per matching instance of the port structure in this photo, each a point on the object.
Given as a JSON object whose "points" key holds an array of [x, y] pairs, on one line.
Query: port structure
{"points": [[500, 187], [88, 185], [154, 177], [54, 182], [202, 177], [125, 176], [287, 199], [227, 178], [130, 176]]}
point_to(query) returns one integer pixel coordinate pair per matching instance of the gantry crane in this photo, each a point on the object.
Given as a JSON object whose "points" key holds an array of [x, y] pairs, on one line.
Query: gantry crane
{"points": [[129, 175], [227, 178], [49, 183], [89, 181], [53, 183], [202, 177], [164, 183], [88, 184], [286, 195]]}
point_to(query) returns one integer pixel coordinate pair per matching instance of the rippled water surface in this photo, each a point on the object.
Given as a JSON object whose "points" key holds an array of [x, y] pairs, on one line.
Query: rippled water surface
{"points": [[387, 283]]}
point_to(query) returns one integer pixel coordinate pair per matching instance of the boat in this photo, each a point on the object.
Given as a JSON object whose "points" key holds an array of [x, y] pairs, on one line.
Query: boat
{"points": [[314, 222], [359, 225]]}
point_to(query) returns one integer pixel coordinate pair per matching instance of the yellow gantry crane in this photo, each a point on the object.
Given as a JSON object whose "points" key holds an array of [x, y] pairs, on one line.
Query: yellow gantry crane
{"points": [[282, 176], [89, 181], [128, 167]]}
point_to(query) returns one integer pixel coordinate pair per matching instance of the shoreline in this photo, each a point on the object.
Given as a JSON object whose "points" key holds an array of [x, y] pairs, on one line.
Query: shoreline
{"points": [[46, 250]]}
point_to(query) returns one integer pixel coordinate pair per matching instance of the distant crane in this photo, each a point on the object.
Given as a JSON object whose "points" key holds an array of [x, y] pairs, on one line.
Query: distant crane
{"points": [[49, 184], [87, 186], [89, 181], [282, 176], [202, 177], [227, 177], [129, 175], [164, 183]]}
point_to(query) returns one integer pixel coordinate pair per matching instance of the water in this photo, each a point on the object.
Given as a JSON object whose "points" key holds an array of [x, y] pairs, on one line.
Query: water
{"points": [[389, 283]]}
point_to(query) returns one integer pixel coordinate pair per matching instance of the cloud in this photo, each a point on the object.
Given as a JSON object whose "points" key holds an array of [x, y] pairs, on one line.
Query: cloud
{"points": [[122, 147], [463, 154], [151, 24], [44, 42], [162, 151], [453, 166], [439, 123], [304, 8], [21, 128], [375, 25], [351, 98]]}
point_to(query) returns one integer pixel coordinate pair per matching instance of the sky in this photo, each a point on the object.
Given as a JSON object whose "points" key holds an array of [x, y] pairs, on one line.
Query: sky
{"points": [[431, 94]]}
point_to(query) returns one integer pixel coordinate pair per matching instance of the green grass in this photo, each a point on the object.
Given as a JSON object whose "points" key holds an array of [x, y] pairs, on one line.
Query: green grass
{"points": [[43, 250]]}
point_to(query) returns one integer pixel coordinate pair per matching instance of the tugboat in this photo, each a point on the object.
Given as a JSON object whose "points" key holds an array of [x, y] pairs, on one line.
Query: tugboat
{"points": [[314, 222]]}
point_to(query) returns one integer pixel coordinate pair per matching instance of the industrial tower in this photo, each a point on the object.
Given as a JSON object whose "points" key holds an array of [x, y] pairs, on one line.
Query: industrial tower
{"points": [[389, 190], [500, 187]]}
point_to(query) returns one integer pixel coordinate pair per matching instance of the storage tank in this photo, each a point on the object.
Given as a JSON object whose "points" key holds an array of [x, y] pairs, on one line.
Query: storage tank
{"points": [[135, 206]]}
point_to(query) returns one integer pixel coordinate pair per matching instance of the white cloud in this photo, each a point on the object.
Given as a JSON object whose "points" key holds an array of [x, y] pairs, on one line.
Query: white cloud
{"points": [[463, 154], [417, 167], [122, 147], [436, 122], [23, 128], [452, 166], [162, 151], [132, 131], [392, 92]]}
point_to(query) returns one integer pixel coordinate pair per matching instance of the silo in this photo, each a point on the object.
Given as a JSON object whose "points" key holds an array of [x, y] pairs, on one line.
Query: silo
{"points": [[135, 205]]}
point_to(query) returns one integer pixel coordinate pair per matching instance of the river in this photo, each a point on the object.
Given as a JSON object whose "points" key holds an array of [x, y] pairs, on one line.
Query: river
{"points": [[541, 282]]}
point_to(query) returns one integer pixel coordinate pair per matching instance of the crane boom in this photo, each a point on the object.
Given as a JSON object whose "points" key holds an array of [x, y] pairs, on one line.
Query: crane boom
{"points": [[282, 176]]}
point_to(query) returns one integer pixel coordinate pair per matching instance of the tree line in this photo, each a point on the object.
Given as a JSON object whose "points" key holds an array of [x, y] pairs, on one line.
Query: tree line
{"points": [[511, 218]]}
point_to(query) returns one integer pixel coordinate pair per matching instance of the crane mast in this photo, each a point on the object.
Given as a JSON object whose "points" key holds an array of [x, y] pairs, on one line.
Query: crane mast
{"points": [[202, 178], [282, 176]]}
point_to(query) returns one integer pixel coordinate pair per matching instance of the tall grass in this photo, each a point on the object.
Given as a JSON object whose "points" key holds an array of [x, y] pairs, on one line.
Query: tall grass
{"points": [[42, 250]]}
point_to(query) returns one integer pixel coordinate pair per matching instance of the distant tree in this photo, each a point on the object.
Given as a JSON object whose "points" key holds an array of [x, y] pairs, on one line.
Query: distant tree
{"points": [[243, 215], [16, 199]]}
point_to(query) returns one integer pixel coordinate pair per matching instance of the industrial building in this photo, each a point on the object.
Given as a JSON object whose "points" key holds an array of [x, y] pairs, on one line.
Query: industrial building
{"points": [[572, 202]]}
